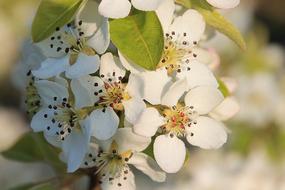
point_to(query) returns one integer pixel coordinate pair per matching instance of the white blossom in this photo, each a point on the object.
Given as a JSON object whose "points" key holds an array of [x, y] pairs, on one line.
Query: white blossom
{"points": [[63, 124], [73, 48], [110, 94], [121, 8], [177, 120], [114, 157]]}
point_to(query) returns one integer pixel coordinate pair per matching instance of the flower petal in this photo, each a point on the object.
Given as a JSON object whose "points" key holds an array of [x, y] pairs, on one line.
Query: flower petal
{"points": [[133, 109], [169, 152], [128, 140], [155, 83], [42, 121], [203, 99], [52, 46], [84, 65], [52, 67], [207, 133], [148, 166], [115, 8], [194, 28], [51, 93], [119, 183], [148, 123], [198, 75], [75, 147], [146, 5], [129, 65], [165, 13], [227, 109], [101, 39], [90, 157], [224, 4], [104, 122], [111, 70], [135, 86], [90, 17], [53, 140], [174, 93], [86, 90]]}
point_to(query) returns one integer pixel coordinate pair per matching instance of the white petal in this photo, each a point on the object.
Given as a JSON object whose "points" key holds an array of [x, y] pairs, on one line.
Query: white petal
{"points": [[111, 69], [207, 133], [165, 13], [129, 65], [204, 99], [119, 183], [148, 166], [53, 140], [148, 123], [84, 65], [84, 90], [146, 5], [174, 93], [155, 83], [90, 17], [42, 123], [191, 23], [75, 147], [198, 75], [101, 40], [208, 57], [227, 109], [91, 154], [133, 109], [104, 122], [224, 4], [128, 140], [135, 86], [52, 67], [115, 8], [60, 80], [169, 152], [49, 45], [51, 93]]}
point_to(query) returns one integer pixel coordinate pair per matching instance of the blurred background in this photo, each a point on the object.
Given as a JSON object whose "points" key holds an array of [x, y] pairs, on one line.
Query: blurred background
{"points": [[253, 159]]}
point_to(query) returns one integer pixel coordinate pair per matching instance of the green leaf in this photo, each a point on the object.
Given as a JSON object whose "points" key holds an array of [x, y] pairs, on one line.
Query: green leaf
{"points": [[223, 88], [140, 38], [32, 147], [35, 186], [52, 14], [149, 150], [214, 19]]}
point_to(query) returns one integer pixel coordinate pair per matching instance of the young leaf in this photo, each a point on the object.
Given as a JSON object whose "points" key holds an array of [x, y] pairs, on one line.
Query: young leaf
{"points": [[36, 186], [32, 147], [223, 88], [214, 19], [52, 14], [140, 38]]}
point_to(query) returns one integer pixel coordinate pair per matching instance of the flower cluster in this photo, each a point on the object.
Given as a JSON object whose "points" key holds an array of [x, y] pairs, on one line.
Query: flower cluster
{"points": [[103, 111]]}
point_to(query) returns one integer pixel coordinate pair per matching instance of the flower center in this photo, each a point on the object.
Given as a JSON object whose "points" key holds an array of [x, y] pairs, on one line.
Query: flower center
{"points": [[33, 100], [177, 119], [177, 52], [64, 118], [71, 39], [111, 164], [114, 95]]}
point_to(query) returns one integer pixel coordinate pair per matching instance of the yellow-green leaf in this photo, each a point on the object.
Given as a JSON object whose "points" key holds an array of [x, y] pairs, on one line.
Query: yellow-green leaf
{"points": [[52, 14], [139, 38], [32, 147]]}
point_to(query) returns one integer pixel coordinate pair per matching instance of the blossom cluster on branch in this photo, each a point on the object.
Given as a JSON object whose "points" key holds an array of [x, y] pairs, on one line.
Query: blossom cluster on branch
{"points": [[103, 110]]}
